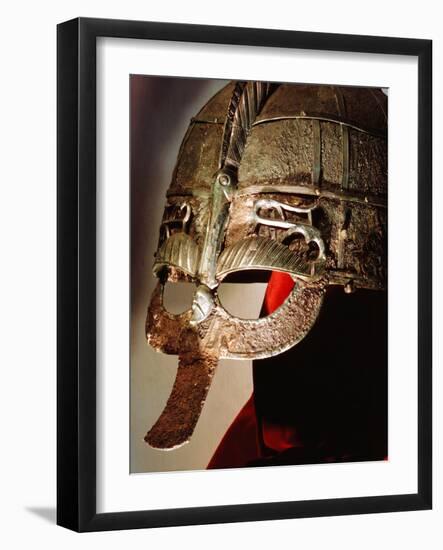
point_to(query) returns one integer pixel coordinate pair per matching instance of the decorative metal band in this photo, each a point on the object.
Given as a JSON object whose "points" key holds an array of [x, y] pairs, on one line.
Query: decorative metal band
{"points": [[370, 200], [229, 123], [340, 277], [213, 120], [320, 118], [246, 102]]}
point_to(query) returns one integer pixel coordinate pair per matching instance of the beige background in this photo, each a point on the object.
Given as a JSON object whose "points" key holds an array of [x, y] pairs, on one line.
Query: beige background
{"points": [[161, 109]]}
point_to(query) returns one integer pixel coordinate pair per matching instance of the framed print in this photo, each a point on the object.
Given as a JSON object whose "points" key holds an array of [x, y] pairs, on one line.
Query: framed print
{"points": [[244, 274]]}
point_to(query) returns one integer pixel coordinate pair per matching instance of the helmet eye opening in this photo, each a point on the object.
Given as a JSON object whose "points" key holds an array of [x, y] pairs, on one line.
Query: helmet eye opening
{"points": [[240, 300]]}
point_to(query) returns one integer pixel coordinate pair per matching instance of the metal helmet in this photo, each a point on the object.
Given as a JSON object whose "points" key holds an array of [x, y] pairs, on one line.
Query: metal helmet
{"points": [[274, 177]]}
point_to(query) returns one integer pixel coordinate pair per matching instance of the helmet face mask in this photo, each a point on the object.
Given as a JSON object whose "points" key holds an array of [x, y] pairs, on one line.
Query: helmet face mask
{"points": [[266, 186]]}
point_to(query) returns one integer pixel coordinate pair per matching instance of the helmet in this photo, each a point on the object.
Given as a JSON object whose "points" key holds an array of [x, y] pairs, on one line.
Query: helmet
{"points": [[269, 177]]}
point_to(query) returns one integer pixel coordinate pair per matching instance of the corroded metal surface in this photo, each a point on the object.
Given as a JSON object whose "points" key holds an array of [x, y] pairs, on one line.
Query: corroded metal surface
{"points": [[177, 422], [362, 108], [219, 335], [288, 178]]}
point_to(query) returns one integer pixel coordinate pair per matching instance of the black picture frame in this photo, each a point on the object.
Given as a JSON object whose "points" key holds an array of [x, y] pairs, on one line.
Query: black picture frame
{"points": [[76, 273]]}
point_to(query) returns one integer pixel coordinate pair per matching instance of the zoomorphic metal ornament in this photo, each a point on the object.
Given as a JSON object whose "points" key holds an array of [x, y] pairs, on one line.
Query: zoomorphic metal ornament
{"points": [[289, 178]]}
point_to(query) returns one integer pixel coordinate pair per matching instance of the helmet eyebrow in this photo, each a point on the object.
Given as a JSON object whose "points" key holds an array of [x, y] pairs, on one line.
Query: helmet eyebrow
{"points": [[267, 254], [179, 251]]}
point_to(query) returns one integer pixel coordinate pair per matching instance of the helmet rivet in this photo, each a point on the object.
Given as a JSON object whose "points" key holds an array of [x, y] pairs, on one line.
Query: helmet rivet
{"points": [[224, 179], [349, 287]]}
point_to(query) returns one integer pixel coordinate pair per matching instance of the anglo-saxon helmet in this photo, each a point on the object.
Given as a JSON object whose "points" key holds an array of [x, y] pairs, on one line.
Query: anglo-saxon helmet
{"points": [[269, 177]]}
